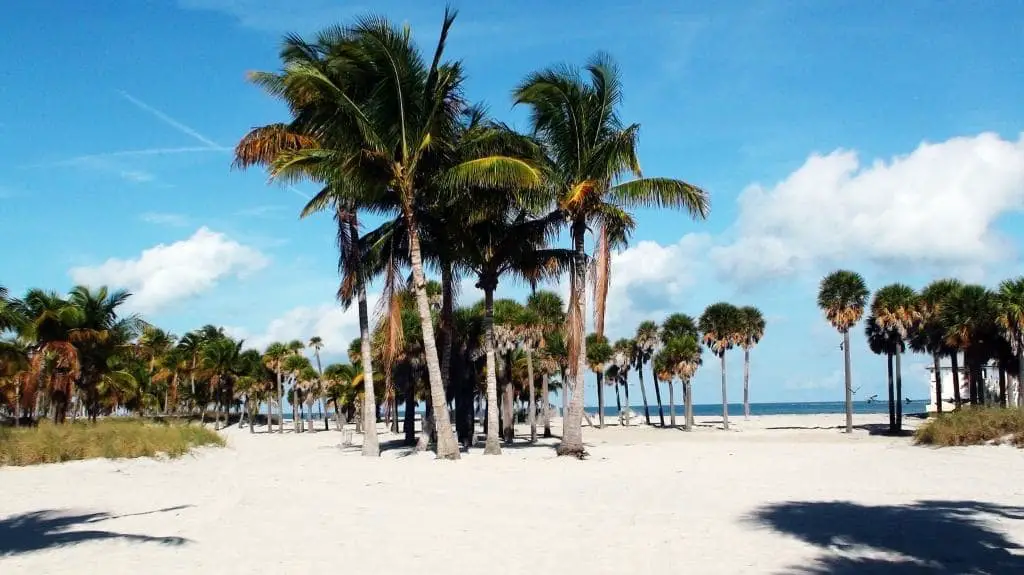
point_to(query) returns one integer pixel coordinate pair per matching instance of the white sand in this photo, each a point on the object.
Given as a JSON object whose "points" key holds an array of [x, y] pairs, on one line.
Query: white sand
{"points": [[648, 500]]}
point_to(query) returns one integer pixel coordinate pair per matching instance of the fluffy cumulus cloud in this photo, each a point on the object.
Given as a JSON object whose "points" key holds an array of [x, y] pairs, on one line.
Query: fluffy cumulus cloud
{"points": [[169, 273], [936, 205], [336, 327]]}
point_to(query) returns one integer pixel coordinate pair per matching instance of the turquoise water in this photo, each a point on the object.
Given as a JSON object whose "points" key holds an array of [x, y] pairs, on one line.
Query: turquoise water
{"points": [[807, 408]]}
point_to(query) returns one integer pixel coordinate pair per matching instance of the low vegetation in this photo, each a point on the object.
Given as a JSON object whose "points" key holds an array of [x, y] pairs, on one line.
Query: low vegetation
{"points": [[974, 426], [110, 438]]}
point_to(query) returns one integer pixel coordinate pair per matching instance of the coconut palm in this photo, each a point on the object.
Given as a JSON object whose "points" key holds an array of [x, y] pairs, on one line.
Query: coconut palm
{"points": [[895, 307], [599, 353], [721, 325], [1010, 318], [646, 339], [587, 153], [842, 295], [930, 335], [751, 331], [550, 311]]}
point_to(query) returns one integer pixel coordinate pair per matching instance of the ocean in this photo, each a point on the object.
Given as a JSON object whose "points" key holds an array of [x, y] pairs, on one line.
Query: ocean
{"points": [[805, 408]]}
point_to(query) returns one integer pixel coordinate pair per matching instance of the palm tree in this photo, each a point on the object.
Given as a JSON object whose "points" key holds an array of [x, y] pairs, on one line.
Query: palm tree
{"points": [[317, 343], [751, 331], [895, 307], [930, 337], [587, 151], [969, 317], [721, 324], [646, 339], [273, 357], [1010, 318], [684, 354], [598, 354], [221, 364], [664, 370], [550, 311], [528, 329], [885, 340], [623, 359], [842, 295]]}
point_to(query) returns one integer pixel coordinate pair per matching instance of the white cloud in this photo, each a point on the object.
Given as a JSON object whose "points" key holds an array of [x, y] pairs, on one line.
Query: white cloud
{"points": [[137, 176], [164, 219], [168, 273], [936, 205], [335, 326]]}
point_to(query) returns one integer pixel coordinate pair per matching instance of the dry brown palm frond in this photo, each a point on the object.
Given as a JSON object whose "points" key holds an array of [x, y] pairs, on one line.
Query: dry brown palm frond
{"points": [[262, 145], [574, 333], [602, 278], [389, 317]]}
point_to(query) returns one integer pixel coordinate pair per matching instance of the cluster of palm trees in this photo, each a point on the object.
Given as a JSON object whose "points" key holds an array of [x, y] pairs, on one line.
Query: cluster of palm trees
{"points": [[383, 130], [970, 324]]}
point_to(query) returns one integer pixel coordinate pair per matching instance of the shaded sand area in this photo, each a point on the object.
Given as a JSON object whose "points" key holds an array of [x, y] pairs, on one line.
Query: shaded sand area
{"points": [[779, 494]]}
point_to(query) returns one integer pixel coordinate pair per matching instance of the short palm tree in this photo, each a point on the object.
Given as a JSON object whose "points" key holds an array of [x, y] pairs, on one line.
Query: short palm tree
{"points": [[599, 353], [720, 326], [646, 341], [274, 357], [1010, 318], [970, 320], [896, 309], [587, 153], [751, 331], [550, 311], [885, 340], [842, 295], [686, 352], [930, 335], [622, 359]]}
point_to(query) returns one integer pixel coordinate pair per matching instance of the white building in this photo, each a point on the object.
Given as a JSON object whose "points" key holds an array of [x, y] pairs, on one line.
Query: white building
{"points": [[989, 374]]}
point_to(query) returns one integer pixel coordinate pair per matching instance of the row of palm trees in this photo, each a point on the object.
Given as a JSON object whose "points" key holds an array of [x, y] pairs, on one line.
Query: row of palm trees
{"points": [[945, 319], [384, 130]]}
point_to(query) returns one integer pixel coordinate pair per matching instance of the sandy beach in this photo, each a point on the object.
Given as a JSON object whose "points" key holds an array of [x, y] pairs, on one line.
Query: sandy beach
{"points": [[778, 494]]}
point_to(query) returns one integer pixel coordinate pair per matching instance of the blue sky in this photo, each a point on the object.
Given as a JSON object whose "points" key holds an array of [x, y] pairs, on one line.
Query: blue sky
{"points": [[880, 136]]}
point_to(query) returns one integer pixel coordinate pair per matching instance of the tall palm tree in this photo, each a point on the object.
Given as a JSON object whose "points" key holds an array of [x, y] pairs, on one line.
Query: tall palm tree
{"points": [[587, 153], [751, 331], [842, 295], [885, 340], [598, 355], [316, 343], [646, 339], [896, 308], [930, 336], [550, 311], [1010, 318], [969, 317], [664, 370], [721, 326]]}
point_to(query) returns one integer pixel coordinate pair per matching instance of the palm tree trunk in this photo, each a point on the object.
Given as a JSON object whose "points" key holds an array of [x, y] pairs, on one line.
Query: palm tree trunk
{"points": [[892, 393], [955, 361], [618, 397], [672, 403], [410, 403], [572, 423], [545, 395], [657, 395], [899, 392], [447, 446], [848, 381], [600, 399], [492, 445], [17, 403], [280, 398], [564, 394], [688, 398], [643, 394], [508, 416], [1002, 385], [725, 399], [746, 383], [531, 410], [625, 386], [371, 444], [253, 408], [1020, 374], [447, 321], [938, 382]]}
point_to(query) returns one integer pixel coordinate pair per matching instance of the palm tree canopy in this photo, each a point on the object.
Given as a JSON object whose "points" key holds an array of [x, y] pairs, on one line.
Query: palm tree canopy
{"points": [[1010, 311], [599, 352], [896, 307], [678, 325], [968, 315], [646, 340], [721, 324], [842, 295], [751, 326], [683, 355], [882, 339], [930, 335]]}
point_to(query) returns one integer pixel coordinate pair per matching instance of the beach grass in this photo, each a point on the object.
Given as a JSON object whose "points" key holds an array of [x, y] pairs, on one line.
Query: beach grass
{"points": [[110, 438], [974, 426]]}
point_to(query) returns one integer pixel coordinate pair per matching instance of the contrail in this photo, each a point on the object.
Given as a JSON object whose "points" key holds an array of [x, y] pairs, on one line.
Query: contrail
{"points": [[169, 120], [126, 154]]}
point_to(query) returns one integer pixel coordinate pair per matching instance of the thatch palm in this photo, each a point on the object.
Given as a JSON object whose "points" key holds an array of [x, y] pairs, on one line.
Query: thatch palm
{"points": [[646, 340], [842, 295], [1010, 318], [885, 340], [896, 308], [721, 325], [550, 311], [751, 331], [969, 318], [930, 335], [684, 353], [599, 353], [273, 358], [588, 151]]}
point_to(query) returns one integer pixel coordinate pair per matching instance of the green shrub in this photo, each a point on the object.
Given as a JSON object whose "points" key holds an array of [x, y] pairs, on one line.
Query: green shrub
{"points": [[110, 438], [973, 426]]}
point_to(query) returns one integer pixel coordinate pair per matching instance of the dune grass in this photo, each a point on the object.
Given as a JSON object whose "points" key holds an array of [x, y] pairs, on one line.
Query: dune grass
{"points": [[974, 426], [110, 438]]}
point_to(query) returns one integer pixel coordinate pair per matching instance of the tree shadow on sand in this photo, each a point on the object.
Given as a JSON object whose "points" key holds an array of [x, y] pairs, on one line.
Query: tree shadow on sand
{"points": [[932, 537], [50, 529]]}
